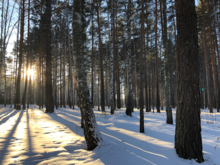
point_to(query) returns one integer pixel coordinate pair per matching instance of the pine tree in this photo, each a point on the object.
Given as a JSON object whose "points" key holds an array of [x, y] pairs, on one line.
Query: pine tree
{"points": [[112, 47], [141, 99], [188, 140], [167, 65], [17, 102], [49, 96], [129, 106], [208, 78]]}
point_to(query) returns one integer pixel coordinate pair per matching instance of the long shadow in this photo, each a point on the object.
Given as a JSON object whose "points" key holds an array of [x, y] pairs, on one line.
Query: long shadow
{"points": [[8, 139], [123, 126], [4, 113], [113, 136], [8, 116], [35, 157], [119, 125], [39, 157], [29, 134], [65, 122]]}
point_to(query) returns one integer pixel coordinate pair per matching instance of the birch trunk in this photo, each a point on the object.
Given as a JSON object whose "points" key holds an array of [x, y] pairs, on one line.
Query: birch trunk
{"points": [[90, 127]]}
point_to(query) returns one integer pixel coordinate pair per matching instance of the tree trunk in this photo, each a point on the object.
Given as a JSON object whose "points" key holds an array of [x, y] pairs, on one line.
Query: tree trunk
{"points": [[49, 97], [40, 60], [64, 70], [166, 66], [117, 64], [157, 71], [101, 62], [112, 46], [55, 76], [188, 140], [61, 93], [129, 106], [70, 69], [141, 100], [17, 98], [208, 78], [146, 69], [92, 61], [213, 62], [28, 54], [90, 127]]}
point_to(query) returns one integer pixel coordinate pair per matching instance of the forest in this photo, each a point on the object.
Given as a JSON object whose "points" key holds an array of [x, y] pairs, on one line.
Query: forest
{"points": [[95, 81]]}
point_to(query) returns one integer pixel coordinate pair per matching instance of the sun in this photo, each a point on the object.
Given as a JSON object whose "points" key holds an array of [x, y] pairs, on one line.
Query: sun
{"points": [[30, 72]]}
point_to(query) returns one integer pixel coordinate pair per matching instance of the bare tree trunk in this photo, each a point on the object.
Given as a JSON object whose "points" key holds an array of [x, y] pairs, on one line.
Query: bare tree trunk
{"points": [[117, 63], [70, 71], [188, 140], [157, 71], [101, 61], [207, 63], [61, 93], [64, 70], [41, 59], [49, 97], [145, 66], [167, 67], [17, 98], [130, 106], [213, 62], [141, 100], [92, 61], [55, 76], [90, 127], [112, 60], [30, 56], [24, 100]]}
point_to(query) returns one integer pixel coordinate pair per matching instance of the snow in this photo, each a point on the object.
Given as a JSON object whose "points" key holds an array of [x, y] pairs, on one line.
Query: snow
{"points": [[33, 137]]}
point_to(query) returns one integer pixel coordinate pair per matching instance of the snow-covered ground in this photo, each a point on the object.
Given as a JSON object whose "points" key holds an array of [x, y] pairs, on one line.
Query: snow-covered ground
{"points": [[33, 137]]}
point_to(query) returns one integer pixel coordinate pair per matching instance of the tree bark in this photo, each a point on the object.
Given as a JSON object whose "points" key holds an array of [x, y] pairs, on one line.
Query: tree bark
{"points": [[92, 61], [49, 97], [64, 70], [129, 106], [112, 46], [90, 127], [101, 62], [208, 78], [213, 62], [28, 54], [141, 99], [145, 67], [17, 98], [157, 71], [167, 66], [188, 140]]}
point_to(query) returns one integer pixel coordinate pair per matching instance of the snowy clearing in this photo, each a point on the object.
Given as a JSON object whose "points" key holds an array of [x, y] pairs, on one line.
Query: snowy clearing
{"points": [[33, 137]]}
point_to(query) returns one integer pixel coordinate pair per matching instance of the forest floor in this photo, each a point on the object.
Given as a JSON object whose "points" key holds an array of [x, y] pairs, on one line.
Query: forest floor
{"points": [[33, 137]]}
